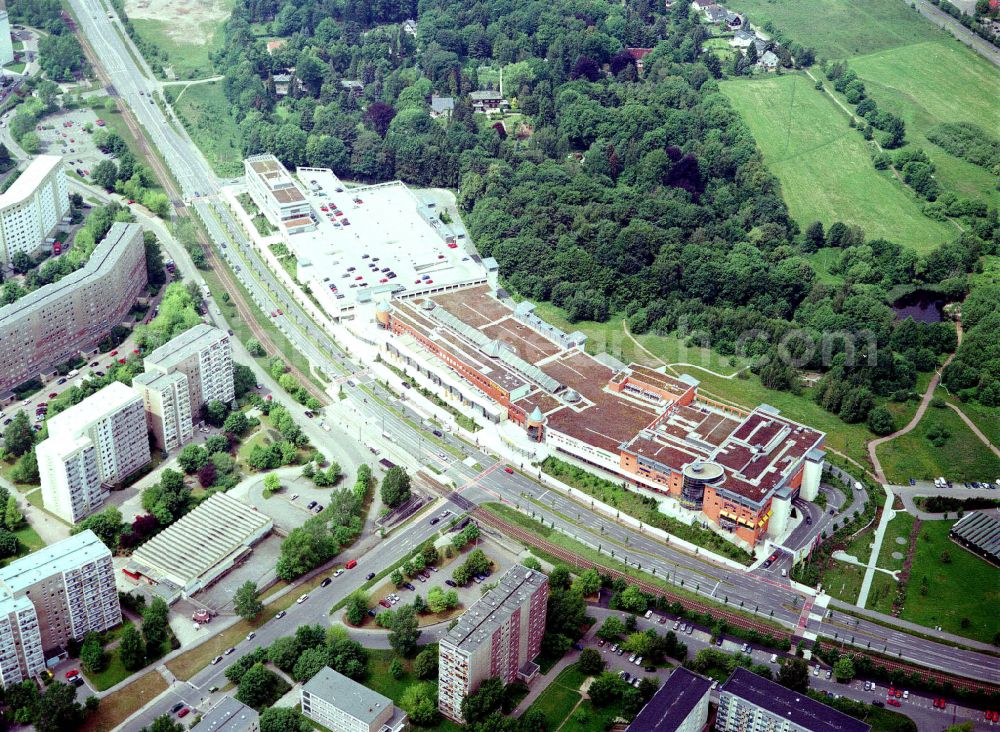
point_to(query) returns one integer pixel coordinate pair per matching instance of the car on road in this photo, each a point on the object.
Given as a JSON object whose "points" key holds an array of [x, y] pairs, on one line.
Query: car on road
{"points": [[338, 572], [280, 615], [72, 672], [216, 660], [229, 650], [176, 707], [53, 395], [370, 576], [325, 582], [251, 635], [509, 470], [302, 599], [352, 564], [893, 702], [434, 520]]}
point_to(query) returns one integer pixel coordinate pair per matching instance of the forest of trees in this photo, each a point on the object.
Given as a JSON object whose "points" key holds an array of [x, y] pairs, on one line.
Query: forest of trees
{"points": [[613, 193]]}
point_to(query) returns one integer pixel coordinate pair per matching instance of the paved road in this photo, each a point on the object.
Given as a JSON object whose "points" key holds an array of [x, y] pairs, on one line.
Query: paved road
{"points": [[941, 19], [415, 447]]}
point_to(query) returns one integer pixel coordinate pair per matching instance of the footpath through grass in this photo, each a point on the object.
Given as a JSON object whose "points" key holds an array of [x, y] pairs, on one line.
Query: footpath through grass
{"points": [[561, 697], [962, 456], [117, 707], [204, 110], [805, 137]]}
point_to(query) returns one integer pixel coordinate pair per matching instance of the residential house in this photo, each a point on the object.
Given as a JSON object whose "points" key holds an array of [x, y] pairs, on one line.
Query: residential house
{"points": [[715, 14], [638, 54], [769, 61], [742, 39], [700, 5], [734, 20], [410, 27], [282, 83], [488, 101], [442, 106], [761, 46], [276, 44], [354, 86]]}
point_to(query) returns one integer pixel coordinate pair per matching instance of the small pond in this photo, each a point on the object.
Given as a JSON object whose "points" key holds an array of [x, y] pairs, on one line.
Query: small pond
{"points": [[921, 305]]}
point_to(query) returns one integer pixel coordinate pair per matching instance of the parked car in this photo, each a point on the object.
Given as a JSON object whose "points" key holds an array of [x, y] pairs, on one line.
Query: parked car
{"points": [[186, 710], [451, 583], [229, 650], [216, 660], [251, 635], [412, 588], [325, 582], [280, 615]]}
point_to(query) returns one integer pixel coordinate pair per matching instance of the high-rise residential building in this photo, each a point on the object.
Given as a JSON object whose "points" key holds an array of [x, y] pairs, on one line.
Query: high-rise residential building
{"points": [[680, 705], [36, 202], [229, 715], [6, 43], [58, 322], [168, 407], [278, 196], [498, 636], [92, 446], [343, 705], [51, 596], [751, 703], [21, 655], [205, 356]]}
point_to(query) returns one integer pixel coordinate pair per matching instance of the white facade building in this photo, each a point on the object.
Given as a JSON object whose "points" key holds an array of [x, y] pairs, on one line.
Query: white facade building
{"points": [[32, 207], [6, 43], [51, 596], [91, 446], [204, 355], [343, 705], [277, 195], [168, 407]]}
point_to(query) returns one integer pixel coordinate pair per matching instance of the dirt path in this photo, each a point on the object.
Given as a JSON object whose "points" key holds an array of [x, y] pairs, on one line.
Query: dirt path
{"points": [[975, 430], [928, 395]]}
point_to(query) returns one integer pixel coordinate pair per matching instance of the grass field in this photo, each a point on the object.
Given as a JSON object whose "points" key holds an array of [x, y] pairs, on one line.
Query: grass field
{"points": [[561, 696], [383, 682], [967, 587], [841, 28], [899, 528], [882, 593], [930, 83], [205, 112], [962, 457], [805, 138], [117, 707], [843, 581]]}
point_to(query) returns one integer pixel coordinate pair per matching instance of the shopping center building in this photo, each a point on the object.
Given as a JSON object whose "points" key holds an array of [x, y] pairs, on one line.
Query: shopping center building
{"points": [[736, 468]]}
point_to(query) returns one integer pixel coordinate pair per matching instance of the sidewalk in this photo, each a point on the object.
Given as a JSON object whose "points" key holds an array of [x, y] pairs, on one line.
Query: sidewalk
{"points": [[887, 515]]}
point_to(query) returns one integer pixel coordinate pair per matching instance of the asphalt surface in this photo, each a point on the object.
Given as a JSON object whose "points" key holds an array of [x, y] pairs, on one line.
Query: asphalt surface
{"points": [[763, 591]]}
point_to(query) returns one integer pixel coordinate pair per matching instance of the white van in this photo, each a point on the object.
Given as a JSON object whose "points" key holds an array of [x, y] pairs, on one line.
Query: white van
{"points": [[648, 615], [774, 658]]}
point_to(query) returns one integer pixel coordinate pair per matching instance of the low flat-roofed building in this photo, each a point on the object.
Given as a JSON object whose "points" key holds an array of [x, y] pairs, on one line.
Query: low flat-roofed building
{"points": [[229, 715], [979, 532], [57, 322], [201, 546], [277, 195], [343, 705], [680, 705], [749, 703], [375, 243]]}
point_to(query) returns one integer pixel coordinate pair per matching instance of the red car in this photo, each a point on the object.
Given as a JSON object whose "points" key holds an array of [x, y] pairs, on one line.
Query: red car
{"points": [[383, 603], [184, 712], [136, 350], [113, 353], [453, 245], [892, 702], [351, 564], [279, 312], [274, 314], [992, 716], [509, 470], [53, 395], [899, 693], [72, 672]]}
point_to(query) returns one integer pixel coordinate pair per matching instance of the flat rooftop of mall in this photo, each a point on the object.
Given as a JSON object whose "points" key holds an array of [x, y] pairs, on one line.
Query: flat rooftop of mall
{"points": [[632, 410], [378, 241]]}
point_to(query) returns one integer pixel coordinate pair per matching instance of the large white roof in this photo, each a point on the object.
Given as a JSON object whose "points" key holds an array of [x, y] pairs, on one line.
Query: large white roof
{"points": [[110, 399], [29, 180]]}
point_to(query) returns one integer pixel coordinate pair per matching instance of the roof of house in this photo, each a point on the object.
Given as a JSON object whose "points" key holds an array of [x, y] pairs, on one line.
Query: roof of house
{"points": [[105, 401], [795, 707], [769, 59], [638, 53], [672, 704], [348, 695], [485, 95], [714, 12], [442, 104]]}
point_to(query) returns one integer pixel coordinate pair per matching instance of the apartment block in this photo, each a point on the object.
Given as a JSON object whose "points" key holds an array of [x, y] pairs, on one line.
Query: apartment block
{"points": [[168, 407], [58, 322], [680, 705], [36, 202], [49, 597], [751, 703], [21, 655], [343, 705], [498, 636], [92, 446], [204, 355], [6, 42], [277, 195]]}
